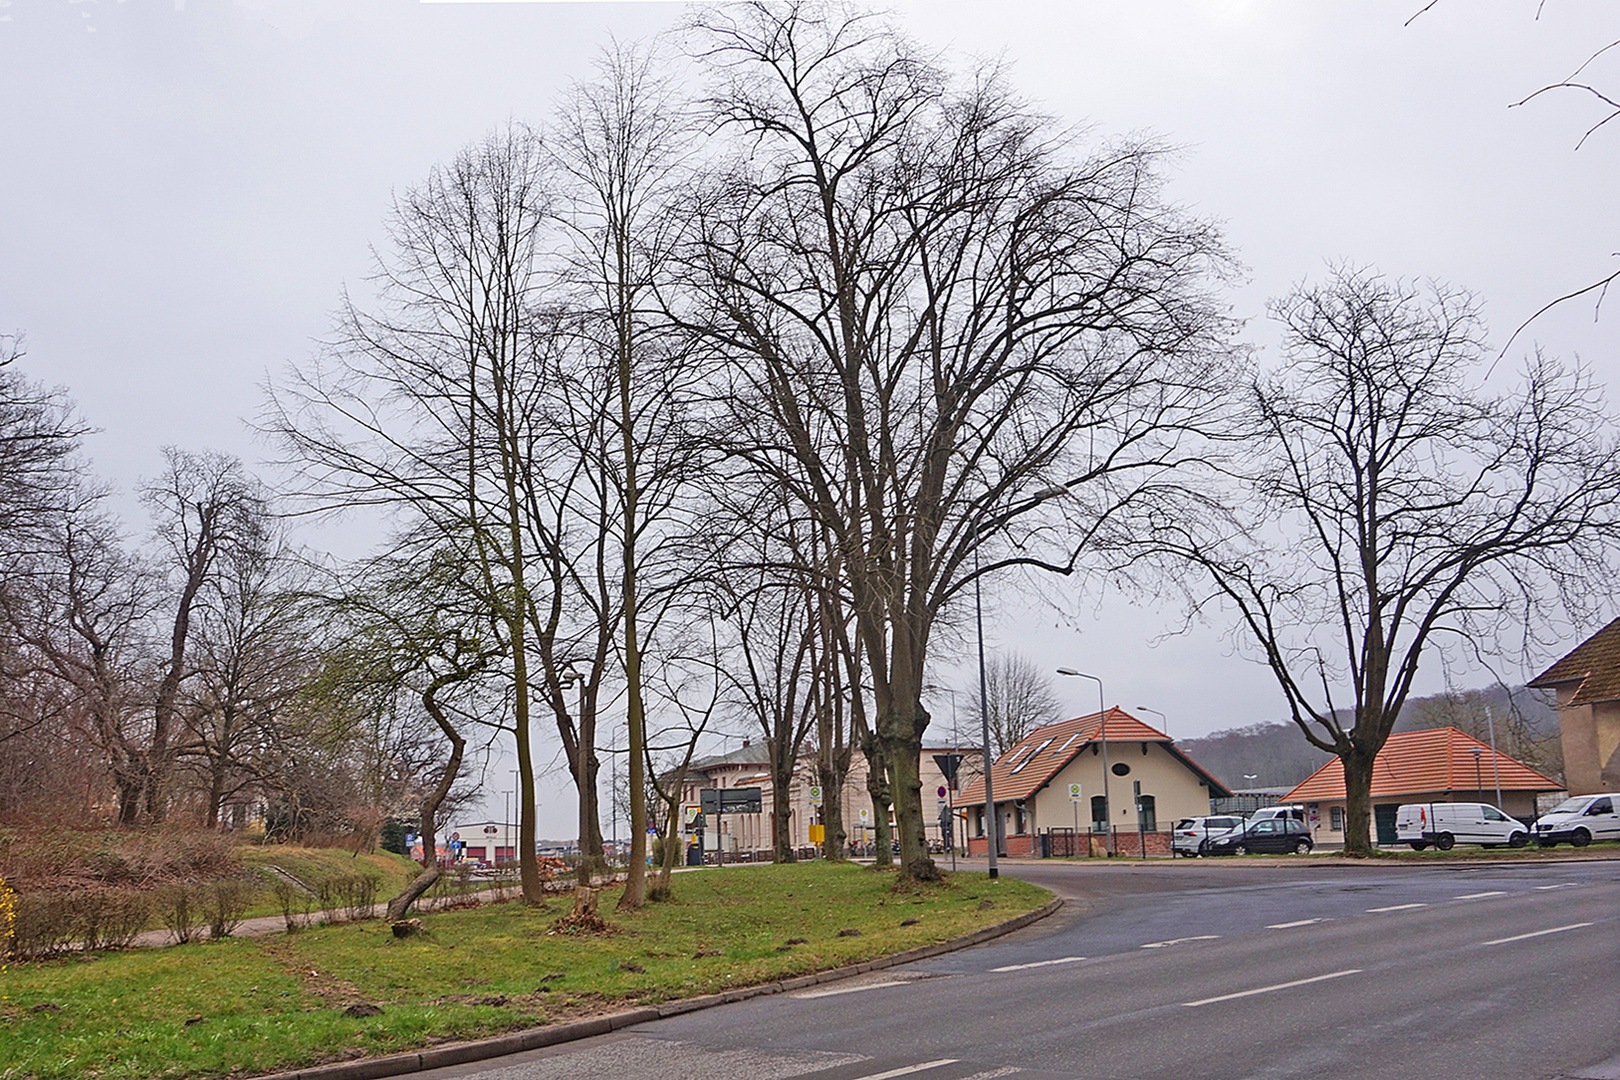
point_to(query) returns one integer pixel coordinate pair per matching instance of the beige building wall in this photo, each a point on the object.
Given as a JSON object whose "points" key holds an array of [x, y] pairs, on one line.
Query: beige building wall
{"points": [[1176, 790]]}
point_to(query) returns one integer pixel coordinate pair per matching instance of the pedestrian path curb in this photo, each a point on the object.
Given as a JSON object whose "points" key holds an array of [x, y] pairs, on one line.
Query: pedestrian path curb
{"points": [[537, 1038]]}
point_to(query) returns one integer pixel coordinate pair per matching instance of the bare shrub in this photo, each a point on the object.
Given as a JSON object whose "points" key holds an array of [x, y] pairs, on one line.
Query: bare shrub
{"points": [[227, 900], [359, 893], [181, 907], [108, 918], [296, 905], [43, 925]]}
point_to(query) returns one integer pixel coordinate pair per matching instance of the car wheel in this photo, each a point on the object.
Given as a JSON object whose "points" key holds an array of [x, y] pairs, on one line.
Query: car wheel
{"points": [[1420, 845], [1580, 838], [1445, 841], [1302, 848], [1518, 840], [1240, 849]]}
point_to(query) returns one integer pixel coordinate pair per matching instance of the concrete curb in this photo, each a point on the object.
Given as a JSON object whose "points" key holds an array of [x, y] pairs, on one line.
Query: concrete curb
{"points": [[536, 1038]]}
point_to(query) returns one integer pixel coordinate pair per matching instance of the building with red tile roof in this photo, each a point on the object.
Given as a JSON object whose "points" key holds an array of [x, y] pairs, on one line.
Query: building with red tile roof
{"points": [[1437, 765], [1587, 684], [1034, 784]]}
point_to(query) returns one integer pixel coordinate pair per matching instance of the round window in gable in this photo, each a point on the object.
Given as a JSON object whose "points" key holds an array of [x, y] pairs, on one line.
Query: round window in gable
{"points": [[1119, 768]]}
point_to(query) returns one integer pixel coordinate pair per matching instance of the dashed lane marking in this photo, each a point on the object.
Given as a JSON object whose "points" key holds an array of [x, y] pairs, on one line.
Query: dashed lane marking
{"points": [[1040, 963], [1179, 941], [1563, 885], [852, 990], [1395, 907], [907, 1070], [1479, 895], [1291, 925], [1273, 989], [1537, 933]]}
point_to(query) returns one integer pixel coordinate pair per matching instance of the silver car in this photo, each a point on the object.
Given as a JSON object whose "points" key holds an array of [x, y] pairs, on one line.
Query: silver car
{"points": [[1189, 834]]}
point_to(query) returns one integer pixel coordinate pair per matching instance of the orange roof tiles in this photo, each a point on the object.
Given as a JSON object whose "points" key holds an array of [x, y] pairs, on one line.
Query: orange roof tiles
{"points": [[1595, 663], [1029, 765], [1422, 762]]}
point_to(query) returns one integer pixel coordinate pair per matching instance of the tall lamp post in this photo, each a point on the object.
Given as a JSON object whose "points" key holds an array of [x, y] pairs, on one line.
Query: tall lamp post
{"points": [[1479, 780], [992, 832], [1102, 733], [1164, 721]]}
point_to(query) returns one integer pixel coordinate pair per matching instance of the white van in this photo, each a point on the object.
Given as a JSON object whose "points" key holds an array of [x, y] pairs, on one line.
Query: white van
{"points": [[1444, 824], [1581, 820], [1293, 810]]}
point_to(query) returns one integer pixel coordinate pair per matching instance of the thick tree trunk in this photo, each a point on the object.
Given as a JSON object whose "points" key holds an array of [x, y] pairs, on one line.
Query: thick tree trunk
{"points": [[1358, 777], [782, 849], [877, 789]]}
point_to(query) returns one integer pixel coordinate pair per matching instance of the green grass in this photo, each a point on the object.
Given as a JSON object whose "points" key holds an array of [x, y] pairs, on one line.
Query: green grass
{"points": [[261, 1004]]}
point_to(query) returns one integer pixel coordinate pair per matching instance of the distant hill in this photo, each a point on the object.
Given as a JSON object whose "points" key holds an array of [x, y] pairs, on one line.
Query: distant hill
{"points": [[1277, 755]]}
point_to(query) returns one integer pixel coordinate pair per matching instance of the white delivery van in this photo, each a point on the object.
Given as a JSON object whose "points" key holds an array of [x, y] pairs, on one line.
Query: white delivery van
{"points": [[1581, 820], [1444, 824]]}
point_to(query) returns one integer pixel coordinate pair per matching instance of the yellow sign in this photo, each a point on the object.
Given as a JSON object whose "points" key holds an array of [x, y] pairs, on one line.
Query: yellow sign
{"points": [[818, 834]]}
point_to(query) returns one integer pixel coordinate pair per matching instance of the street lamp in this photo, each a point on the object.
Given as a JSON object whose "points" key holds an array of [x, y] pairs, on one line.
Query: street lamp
{"points": [[1102, 729], [991, 830], [1164, 721], [1479, 780]]}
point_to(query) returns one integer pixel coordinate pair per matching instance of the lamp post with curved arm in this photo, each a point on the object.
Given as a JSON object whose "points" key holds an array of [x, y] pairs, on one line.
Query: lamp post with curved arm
{"points": [[1102, 732]]}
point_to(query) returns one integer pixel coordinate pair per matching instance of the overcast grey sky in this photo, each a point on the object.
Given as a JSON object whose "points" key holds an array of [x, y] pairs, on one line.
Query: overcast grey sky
{"points": [[187, 185]]}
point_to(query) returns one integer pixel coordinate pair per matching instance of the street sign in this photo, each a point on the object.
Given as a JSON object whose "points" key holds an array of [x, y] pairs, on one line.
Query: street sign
{"points": [[815, 794], [866, 816], [948, 765], [943, 790], [455, 836], [1074, 792], [691, 814], [737, 800]]}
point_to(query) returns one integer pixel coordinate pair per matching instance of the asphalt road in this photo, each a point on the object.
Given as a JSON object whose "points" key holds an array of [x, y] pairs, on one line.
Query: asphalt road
{"points": [[1203, 970]]}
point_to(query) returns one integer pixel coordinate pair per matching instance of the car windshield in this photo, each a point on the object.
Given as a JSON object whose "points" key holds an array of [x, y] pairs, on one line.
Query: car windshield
{"points": [[1571, 806], [1186, 823]]}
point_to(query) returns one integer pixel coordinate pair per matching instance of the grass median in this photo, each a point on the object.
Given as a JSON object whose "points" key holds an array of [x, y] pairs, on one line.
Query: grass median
{"points": [[256, 1005]]}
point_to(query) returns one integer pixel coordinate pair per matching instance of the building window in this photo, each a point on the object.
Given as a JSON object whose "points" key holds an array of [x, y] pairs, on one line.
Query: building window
{"points": [[1018, 819], [978, 821], [1336, 818], [1099, 814], [1149, 810], [1119, 768]]}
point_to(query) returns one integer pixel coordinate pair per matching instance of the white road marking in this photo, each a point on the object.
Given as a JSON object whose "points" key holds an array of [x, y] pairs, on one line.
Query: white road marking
{"points": [[1273, 989], [1397, 907], [1479, 895], [908, 1069], [849, 989], [1291, 925], [1180, 940], [1039, 963], [1565, 885], [1537, 933]]}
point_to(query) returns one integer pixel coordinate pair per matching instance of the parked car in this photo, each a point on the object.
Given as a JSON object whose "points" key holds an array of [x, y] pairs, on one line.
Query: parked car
{"points": [[1580, 820], [1445, 824], [1290, 810], [1273, 834], [1190, 833]]}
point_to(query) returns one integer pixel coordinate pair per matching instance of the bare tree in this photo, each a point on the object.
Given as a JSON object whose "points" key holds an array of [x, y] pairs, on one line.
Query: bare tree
{"points": [[925, 300], [1021, 699], [1390, 503], [436, 407], [205, 508]]}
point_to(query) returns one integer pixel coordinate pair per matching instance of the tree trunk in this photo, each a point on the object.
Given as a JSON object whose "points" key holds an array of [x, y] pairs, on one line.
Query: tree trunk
{"points": [[1358, 778], [399, 906], [782, 849], [877, 789]]}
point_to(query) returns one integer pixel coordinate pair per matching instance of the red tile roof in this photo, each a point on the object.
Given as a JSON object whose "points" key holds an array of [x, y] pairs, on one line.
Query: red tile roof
{"points": [[1594, 663], [1424, 762], [1029, 765]]}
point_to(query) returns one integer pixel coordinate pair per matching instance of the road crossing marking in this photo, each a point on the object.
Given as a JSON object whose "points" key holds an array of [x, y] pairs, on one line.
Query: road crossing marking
{"points": [[1040, 963], [851, 990], [1537, 933], [1273, 989], [1564, 885], [1397, 907], [907, 1070], [1479, 895], [1291, 925], [1180, 940]]}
